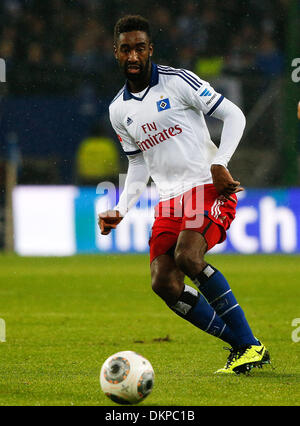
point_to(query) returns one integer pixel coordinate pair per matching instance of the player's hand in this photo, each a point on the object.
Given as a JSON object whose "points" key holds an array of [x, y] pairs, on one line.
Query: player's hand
{"points": [[109, 220], [224, 183]]}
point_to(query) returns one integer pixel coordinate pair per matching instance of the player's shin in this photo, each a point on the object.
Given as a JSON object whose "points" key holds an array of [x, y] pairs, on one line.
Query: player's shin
{"points": [[214, 286], [193, 307]]}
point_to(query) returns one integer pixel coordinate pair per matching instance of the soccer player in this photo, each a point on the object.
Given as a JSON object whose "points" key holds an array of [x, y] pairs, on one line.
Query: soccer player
{"points": [[159, 118]]}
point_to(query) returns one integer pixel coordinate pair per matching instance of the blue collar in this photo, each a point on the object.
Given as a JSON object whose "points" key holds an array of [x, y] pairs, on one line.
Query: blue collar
{"points": [[153, 82]]}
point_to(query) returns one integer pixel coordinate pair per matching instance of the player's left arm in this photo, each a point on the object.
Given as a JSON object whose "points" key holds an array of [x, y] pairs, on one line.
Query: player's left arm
{"points": [[199, 94]]}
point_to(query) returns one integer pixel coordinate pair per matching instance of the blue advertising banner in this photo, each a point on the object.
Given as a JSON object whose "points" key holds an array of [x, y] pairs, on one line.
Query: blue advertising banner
{"points": [[267, 221], [131, 236]]}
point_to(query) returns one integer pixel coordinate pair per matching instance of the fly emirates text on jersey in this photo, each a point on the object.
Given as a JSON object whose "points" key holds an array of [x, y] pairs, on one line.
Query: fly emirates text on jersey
{"points": [[159, 137]]}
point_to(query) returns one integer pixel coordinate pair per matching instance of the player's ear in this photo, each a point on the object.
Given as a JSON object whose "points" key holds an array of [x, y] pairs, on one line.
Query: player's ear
{"points": [[151, 48], [115, 51]]}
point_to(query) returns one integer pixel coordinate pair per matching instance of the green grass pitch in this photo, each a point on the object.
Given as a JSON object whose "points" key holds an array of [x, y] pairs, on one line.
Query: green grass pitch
{"points": [[65, 316]]}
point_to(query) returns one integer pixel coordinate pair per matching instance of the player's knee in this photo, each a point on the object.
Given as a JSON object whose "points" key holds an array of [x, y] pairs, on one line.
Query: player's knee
{"points": [[163, 286], [159, 283], [189, 261]]}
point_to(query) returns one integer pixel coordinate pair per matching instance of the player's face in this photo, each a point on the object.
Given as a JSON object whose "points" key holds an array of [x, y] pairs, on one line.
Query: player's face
{"points": [[133, 52]]}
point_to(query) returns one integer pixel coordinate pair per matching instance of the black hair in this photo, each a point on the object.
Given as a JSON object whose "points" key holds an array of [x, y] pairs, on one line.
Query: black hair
{"points": [[131, 23]]}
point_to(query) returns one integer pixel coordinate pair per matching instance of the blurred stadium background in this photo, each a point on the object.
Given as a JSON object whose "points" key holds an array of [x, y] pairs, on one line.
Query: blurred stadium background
{"points": [[56, 142]]}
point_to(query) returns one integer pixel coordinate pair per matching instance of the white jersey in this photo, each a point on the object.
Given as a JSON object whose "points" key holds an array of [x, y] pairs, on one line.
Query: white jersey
{"points": [[166, 124]]}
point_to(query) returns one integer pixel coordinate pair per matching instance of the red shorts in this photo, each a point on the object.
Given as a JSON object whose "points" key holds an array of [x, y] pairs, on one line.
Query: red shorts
{"points": [[200, 209]]}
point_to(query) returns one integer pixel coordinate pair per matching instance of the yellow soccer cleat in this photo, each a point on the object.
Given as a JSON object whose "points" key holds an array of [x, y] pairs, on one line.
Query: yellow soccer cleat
{"points": [[242, 360]]}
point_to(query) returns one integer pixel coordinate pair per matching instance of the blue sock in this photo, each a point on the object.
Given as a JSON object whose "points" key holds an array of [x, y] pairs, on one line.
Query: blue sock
{"points": [[214, 286], [193, 307]]}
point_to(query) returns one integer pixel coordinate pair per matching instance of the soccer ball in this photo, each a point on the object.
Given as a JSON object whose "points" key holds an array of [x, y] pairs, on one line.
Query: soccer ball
{"points": [[127, 377]]}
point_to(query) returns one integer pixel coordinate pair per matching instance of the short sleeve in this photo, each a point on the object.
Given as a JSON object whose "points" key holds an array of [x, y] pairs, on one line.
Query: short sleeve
{"points": [[127, 143], [197, 93]]}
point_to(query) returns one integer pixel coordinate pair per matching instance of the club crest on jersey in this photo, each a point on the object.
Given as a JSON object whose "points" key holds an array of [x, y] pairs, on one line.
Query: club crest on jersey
{"points": [[163, 104]]}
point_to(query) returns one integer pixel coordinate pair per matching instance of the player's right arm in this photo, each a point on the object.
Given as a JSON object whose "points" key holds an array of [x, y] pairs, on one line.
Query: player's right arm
{"points": [[135, 183]]}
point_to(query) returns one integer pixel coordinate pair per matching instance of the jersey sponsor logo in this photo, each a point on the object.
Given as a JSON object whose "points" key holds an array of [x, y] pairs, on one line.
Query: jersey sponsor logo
{"points": [[163, 104], [157, 138], [149, 127], [206, 92]]}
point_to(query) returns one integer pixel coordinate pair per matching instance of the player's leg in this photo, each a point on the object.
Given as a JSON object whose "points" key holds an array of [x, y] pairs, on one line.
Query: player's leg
{"points": [[167, 280], [184, 300], [189, 256], [247, 352]]}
